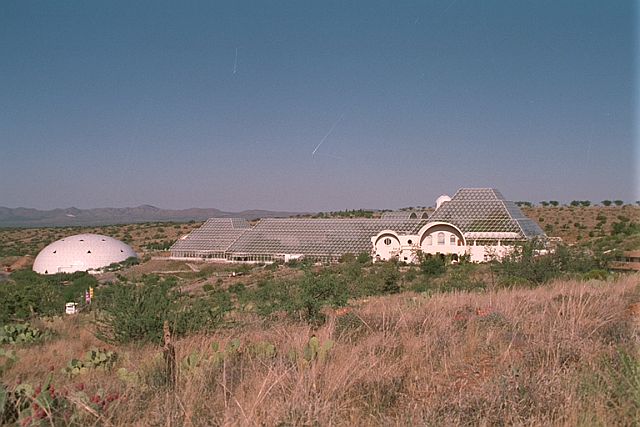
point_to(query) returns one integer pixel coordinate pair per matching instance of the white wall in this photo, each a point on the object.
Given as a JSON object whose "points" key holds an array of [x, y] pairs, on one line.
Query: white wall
{"points": [[444, 239], [435, 239], [386, 246]]}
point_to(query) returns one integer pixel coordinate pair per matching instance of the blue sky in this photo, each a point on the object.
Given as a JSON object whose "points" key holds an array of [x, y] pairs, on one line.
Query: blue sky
{"points": [[222, 104]]}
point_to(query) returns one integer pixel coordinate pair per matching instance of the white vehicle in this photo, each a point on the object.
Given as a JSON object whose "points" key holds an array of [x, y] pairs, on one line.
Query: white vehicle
{"points": [[71, 308]]}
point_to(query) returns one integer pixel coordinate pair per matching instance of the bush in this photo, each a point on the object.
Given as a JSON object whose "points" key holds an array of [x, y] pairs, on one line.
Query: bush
{"points": [[29, 294], [382, 278], [321, 290], [460, 279], [364, 258], [136, 312], [302, 298], [525, 264], [432, 266], [347, 258]]}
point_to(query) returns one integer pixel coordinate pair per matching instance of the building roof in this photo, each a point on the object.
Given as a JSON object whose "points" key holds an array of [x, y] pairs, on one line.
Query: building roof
{"points": [[81, 252], [408, 214], [317, 237], [215, 235], [484, 213]]}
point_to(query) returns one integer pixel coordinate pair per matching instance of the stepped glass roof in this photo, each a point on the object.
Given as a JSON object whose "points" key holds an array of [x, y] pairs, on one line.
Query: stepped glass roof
{"points": [[484, 213], [215, 235], [317, 237], [409, 214]]}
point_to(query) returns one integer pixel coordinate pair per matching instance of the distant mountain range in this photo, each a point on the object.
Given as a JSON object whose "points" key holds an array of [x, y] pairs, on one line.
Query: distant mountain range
{"points": [[26, 217]]}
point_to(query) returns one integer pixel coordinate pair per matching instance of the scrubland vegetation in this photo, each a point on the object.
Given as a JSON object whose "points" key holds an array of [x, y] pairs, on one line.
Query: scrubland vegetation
{"points": [[536, 340]]}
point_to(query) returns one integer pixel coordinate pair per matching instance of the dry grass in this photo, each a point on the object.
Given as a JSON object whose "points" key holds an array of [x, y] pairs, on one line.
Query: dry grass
{"points": [[513, 357]]}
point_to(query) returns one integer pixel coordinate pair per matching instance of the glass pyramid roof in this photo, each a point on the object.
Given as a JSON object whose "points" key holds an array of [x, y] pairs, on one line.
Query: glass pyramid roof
{"points": [[215, 235], [484, 213]]}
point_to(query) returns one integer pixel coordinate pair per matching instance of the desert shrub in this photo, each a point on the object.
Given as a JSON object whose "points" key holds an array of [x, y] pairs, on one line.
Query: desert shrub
{"points": [[424, 285], [431, 265], [348, 257], [616, 383], [411, 275], [116, 266], [29, 294], [273, 266], [237, 288], [302, 298], [363, 258], [459, 278], [321, 290], [350, 325], [596, 274], [625, 227], [382, 278], [273, 295], [136, 312], [526, 265]]}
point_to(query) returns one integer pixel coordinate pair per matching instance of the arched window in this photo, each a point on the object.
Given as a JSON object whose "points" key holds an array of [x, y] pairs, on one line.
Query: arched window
{"points": [[441, 238], [452, 239], [429, 240], [387, 241]]}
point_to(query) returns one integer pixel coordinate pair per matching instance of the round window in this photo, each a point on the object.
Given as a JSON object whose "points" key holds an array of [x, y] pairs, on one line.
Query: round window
{"points": [[409, 241], [387, 241]]}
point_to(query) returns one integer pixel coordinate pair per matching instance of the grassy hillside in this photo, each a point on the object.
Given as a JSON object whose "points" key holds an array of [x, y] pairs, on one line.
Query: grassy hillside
{"points": [[559, 354], [531, 340], [579, 223]]}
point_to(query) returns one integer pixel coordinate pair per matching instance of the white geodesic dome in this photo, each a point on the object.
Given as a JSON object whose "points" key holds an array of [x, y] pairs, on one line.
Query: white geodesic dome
{"points": [[81, 252]]}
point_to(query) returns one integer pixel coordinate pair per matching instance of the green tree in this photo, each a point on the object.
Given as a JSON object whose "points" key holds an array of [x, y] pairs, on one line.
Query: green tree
{"points": [[618, 202], [431, 265], [321, 290], [136, 312], [606, 202]]}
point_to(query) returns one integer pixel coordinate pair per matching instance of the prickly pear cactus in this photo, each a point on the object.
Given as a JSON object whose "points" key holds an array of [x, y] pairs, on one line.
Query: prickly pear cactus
{"points": [[100, 358], [191, 361], [263, 349], [75, 367], [7, 359], [22, 333], [315, 350], [93, 359], [128, 377]]}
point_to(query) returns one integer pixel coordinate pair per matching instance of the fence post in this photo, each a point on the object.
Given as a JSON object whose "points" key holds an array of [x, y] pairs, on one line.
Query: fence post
{"points": [[169, 353]]}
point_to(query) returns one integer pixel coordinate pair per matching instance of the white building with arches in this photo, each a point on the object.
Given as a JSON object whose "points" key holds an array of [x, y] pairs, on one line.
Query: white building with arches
{"points": [[475, 222]]}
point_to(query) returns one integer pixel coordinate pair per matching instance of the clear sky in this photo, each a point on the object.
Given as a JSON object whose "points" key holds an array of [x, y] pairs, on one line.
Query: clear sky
{"points": [[315, 105]]}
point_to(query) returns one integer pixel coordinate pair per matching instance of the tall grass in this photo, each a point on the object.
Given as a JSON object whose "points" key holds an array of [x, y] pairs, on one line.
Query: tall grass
{"points": [[565, 353]]}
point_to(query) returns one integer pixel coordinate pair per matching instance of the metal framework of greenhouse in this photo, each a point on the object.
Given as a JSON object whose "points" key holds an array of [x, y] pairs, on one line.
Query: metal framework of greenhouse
{"points": [[273, 239], [482, 216]]}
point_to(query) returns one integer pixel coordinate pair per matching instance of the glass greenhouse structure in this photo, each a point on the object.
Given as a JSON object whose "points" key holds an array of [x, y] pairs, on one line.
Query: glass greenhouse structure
{"points": [[475, 222]]}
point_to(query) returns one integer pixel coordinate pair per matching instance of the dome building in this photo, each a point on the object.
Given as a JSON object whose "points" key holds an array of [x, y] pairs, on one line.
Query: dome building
{"points": [[81, 252]]}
